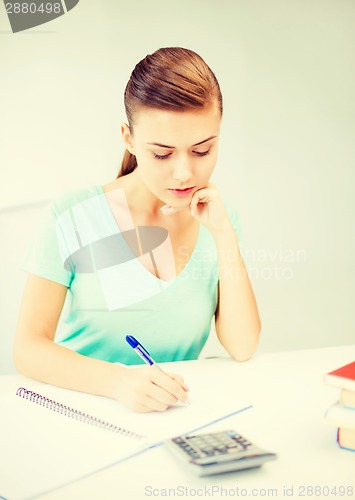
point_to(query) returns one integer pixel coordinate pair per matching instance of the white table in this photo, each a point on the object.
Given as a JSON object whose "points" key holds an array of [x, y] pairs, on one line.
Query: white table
{"points": [[289, 400]]}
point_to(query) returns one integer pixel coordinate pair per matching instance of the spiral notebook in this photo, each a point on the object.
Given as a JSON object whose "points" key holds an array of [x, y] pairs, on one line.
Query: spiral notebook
{"points": [[51, 437]]}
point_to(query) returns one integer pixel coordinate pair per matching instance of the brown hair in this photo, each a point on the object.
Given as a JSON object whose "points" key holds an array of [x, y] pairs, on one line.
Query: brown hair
{"points": [[171, 78]]}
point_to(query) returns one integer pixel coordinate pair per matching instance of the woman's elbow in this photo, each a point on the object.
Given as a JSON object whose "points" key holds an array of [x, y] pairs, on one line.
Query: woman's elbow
{"points": [[244, 349]]}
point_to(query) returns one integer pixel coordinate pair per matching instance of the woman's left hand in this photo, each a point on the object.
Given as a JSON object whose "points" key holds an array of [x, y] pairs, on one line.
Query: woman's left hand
{"points": [[207, 208]]}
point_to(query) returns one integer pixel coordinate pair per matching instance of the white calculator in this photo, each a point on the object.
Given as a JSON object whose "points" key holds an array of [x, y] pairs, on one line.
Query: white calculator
{"points": [[218, 452]]}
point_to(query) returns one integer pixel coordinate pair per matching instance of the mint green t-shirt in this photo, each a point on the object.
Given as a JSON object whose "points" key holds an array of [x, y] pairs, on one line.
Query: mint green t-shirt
{"points": [[111, 294]]}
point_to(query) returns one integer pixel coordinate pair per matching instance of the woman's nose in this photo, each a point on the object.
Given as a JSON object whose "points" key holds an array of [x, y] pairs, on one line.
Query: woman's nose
{"points": [[183, 170]]}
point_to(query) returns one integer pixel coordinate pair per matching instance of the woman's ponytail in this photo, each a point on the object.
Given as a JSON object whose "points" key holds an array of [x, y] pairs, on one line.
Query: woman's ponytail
{"points": [[129, 163]]}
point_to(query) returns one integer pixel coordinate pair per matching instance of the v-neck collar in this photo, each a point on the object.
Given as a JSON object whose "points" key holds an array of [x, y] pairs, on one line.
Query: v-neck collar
{"points": [[116, 229]]}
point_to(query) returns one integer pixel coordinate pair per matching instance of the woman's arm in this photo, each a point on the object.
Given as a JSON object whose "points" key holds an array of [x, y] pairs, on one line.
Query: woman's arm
{"points": [[37, 356], [237, 319]]}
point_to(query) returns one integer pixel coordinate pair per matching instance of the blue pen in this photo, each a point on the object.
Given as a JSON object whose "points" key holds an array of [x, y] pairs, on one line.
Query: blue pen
{"points": [[141, 351], [144, 354]]}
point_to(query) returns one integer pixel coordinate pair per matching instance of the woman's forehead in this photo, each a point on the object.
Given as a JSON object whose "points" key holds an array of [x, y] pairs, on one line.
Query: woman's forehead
{"points": [[173, 127]]}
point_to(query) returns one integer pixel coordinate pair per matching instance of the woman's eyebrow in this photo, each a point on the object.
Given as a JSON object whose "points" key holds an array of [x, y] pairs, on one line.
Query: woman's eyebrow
{"points": [[173, 147], [205, 140]]}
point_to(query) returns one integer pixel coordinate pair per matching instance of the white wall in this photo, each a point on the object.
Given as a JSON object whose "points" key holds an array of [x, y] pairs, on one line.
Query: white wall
{"points": [[286, 157]]}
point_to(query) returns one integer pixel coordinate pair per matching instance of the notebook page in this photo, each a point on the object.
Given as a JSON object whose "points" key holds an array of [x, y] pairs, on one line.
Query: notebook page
{"points": [[41, 449], [213, 395], [83, 448]]}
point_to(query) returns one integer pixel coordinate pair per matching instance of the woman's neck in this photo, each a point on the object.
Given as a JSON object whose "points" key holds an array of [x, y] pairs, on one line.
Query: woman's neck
{"points": [[143, 204]]}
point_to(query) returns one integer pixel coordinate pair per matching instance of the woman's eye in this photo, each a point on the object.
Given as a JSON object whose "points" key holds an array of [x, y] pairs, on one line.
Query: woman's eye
{"points": [[164, 157], [202, 153], [161, 157]]}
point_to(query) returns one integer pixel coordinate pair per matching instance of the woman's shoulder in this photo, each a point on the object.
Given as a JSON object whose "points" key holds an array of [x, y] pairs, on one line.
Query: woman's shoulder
{"points": [[69, 199]]}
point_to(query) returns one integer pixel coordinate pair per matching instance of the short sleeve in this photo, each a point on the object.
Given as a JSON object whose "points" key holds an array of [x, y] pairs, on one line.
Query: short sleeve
{"points": [[43, 257]]}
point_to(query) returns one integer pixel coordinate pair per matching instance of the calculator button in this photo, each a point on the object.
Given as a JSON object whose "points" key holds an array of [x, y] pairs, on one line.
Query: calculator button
{"points": [[233, 444], [178, 440], [220, 448]]}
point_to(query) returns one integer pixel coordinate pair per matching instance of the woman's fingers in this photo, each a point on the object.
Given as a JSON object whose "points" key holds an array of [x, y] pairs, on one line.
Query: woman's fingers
{"points": [[179, 380], [148, 388], [169, 210], [171, 384]]}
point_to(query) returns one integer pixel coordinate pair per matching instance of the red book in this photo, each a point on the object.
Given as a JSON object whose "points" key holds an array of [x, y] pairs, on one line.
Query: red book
{"points": [[343, 377]]}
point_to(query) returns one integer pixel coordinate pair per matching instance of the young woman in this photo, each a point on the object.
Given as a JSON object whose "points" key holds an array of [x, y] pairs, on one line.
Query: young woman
{"points": [[153, 254]]}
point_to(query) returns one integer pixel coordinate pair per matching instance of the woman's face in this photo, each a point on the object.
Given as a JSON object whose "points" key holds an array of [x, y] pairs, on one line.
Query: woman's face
{"points": [[176, 152]]}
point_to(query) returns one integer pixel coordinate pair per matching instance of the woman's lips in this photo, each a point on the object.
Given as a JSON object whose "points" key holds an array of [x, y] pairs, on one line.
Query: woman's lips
{"points": [[181, 192]]}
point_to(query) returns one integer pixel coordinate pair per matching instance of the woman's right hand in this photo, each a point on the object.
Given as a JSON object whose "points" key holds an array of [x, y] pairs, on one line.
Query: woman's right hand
{"points": [[147, 388], [36, 355]]}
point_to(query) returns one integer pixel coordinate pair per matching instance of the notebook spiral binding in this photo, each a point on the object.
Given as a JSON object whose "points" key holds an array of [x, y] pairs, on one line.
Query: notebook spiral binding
{"points": [[34, 397]]}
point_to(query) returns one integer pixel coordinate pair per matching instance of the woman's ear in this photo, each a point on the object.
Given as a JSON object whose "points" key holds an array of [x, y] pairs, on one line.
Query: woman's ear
{"points": [[127, 137]]}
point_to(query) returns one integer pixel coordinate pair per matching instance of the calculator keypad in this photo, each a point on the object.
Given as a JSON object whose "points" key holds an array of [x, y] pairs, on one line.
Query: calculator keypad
{"points": [[216, 444]]}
